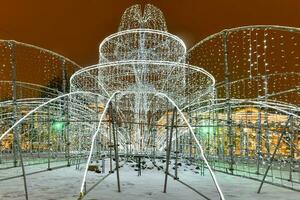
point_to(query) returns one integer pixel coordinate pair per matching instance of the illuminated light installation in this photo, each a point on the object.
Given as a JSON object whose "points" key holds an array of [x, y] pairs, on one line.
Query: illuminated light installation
{"points": [[20, 93], [144, 72], [257, 88], [143, 66]]}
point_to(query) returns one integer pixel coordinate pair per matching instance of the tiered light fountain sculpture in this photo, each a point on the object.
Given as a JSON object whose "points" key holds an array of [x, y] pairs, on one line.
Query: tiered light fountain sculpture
{"points": [[141, 72], [143, 99]]}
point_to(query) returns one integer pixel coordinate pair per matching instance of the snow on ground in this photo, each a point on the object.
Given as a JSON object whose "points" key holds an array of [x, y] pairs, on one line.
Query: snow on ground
{"points": [[65, 183]]}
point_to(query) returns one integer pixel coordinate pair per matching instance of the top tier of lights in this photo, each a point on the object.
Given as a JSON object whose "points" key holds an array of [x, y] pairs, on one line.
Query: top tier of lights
{"points": [[142, 37]]}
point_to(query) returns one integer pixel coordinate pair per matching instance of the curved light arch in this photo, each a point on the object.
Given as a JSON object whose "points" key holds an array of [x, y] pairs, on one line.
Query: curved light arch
{"points": [[182, 115], [42, 105], [267, 27], [150, 62]]}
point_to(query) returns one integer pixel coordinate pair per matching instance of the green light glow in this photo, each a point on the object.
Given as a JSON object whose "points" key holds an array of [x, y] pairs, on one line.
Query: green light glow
{"points": [[58, 126], [205, 129]]}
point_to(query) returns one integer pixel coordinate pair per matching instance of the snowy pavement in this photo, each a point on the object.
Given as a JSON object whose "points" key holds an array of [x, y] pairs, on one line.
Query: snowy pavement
{"points": [[65, 184]]}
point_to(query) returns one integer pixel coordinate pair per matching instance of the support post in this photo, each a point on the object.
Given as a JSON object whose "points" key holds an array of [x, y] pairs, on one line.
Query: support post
{"points": [[292, 152], [115, 145], [228, 96], [66, 111], [258, 141], [15, 106], [274, 153], [48, 138], [23, 169], [110, 147], [177, 150], [103, 164], [140, 166], [169, 146], [17, 149], [154, 145]]}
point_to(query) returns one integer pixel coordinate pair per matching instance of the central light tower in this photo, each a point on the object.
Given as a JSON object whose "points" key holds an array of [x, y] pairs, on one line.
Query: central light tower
{"points": [[142, 37], [139, 62]]}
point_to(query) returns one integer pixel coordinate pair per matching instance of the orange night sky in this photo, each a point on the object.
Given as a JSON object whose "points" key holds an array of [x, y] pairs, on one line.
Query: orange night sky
{"points": [[74, 28]]}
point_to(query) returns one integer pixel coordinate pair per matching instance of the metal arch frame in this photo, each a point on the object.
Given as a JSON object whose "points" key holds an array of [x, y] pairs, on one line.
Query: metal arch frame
{"points": [[42, 105], [41, 49], [268, 27]]}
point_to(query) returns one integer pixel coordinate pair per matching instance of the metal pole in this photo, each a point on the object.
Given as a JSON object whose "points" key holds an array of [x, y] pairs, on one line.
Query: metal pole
{"points": [[66, 110], [258, 141], [140, 167], [14, 89], [16, 142], [176, 151], [49, 135], [169, 146], [23, 169], [115, 146], [110, 146], [274, 153], [167, 127], [98, 139], [154, 145], [227, 93], [103, 164], [292, 138]]}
